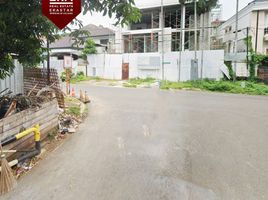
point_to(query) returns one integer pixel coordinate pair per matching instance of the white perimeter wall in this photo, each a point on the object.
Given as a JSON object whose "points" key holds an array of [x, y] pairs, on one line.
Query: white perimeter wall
{"points": [[110, 65]]}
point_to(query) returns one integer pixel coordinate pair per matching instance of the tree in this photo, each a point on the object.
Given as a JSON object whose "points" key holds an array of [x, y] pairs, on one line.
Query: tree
{"points": [[24, 30], [90, 48], [206, 5]]}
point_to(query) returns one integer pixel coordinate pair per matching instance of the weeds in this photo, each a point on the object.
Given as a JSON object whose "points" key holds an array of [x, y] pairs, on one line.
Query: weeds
{"points": [[75, 110], [139, 81], [251, 88]]}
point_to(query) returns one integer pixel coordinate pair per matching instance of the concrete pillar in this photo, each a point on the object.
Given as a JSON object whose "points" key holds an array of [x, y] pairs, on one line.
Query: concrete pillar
{"points": [[183, 11]]}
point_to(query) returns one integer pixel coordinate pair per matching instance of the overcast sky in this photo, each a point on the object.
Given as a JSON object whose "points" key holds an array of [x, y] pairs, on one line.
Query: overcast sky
{"points": [[229, 7]]}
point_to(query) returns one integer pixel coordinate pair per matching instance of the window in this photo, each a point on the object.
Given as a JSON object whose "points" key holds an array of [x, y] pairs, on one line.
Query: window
{"points": [[148, 20], [176, 41], [141, 43], [172, 19], [188, 43], [104, 41]]}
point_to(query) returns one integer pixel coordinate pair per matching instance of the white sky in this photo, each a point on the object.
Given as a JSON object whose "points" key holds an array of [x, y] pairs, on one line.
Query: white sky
{"points": [[229, 7]]}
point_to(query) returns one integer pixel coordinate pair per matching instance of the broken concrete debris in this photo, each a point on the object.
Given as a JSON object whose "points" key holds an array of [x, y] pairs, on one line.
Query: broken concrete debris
{"points": [[68, 123], [11, 104]]}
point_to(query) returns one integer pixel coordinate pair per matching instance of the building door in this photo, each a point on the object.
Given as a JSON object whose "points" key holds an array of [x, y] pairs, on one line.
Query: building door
{"points": [[94, 72], [125, 71]]}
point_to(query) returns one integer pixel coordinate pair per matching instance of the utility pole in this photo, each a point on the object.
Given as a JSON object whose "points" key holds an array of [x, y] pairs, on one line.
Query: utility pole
{"points": [[236, 38], [247, 47], [48, 63], [194, 62], [195, 30], [162, 35], [257, 31], [202, 47], [182, 35]]}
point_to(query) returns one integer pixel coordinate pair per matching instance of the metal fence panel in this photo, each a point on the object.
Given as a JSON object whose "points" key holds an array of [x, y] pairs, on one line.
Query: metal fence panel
{"points": [[15, 81]]}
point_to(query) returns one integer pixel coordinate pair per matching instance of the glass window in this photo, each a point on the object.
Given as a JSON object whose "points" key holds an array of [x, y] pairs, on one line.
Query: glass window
{"points": [[148, 20], [141, 43]]}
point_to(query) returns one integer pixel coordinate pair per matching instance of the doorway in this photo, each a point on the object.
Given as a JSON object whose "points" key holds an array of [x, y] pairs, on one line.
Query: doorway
{"points": [[125, 71]]}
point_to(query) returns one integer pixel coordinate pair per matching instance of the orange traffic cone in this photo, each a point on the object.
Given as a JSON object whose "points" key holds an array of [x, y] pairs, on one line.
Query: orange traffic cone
{"points": [[73, 92]]}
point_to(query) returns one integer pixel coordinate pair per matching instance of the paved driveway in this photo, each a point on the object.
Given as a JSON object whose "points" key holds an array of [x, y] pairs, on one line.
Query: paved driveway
{"points": [[146, 144]]}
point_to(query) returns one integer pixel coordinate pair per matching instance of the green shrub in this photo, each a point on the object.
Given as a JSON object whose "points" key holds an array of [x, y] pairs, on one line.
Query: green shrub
{"points": [[63, 76], [80, 73]]}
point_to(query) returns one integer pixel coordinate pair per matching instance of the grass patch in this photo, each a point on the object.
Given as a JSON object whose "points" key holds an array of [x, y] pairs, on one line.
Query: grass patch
{"points": [[71, 100], [72, 106], [135, 82], [75, 111], [139, 81], [251, 88], [129, 85], [80, 78]]}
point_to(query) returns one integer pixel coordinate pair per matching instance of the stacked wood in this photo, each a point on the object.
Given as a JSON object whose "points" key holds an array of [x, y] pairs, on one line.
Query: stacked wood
{"points": [[46, 116]]}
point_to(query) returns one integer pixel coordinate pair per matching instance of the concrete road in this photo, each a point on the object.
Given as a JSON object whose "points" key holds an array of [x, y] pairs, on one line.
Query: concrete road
{"points": [[146, 144]]}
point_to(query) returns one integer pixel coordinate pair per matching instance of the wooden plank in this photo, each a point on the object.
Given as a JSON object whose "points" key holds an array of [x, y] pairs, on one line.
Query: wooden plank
{"points": [[49, 109], [28, 140], [28, 124]]}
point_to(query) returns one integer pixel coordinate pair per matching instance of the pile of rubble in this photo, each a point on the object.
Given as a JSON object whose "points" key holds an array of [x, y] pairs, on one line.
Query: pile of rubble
{"points": [[11, 104], [68, 123]]}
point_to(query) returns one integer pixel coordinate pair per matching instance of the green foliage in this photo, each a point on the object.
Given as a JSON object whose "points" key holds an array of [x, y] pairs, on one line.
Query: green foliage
{"points": [[73, 106], [80, 73], [129, 85], [254, 58], [63, 76], [79, 78], [90, 48], [251, 88], [7, 65], [139, 81], [205, 5], [124, 11], [75, 110], [78, 36], [23, 28]]}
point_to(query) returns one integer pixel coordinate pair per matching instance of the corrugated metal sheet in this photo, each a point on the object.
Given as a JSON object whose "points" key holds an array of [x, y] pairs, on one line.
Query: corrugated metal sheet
{"points": [[15, 81]]}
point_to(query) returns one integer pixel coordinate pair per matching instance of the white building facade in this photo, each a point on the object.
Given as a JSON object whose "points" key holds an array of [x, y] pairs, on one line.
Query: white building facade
{"points": [[253, 21], [162, 46], [159, 31]]}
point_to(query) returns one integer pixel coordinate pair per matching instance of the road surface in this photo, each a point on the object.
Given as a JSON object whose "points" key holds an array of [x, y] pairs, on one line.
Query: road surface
{"points": [[146, 144]]}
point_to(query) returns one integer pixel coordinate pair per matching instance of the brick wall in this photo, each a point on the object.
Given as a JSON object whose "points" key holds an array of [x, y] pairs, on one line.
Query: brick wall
{"points": [[36, 78]]}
